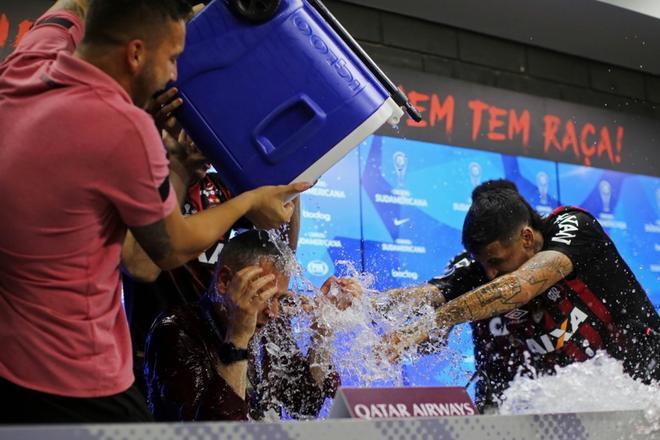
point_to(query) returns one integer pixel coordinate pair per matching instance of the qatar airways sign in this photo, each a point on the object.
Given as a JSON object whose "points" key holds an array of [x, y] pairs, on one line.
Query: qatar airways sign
{"points": [[383, 403]]}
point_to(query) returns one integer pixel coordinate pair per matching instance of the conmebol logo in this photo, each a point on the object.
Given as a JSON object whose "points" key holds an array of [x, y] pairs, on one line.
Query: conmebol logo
{"points": [[317, 268]]}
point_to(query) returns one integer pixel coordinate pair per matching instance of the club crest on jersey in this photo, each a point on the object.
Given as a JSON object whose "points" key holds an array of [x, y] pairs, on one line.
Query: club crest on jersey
{"points": [[568, 225], [557, 338], [554, 294]]}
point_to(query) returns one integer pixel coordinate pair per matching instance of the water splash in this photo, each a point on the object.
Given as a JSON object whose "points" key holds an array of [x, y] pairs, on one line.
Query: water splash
{"points": [[354, 342], [579, 388]]}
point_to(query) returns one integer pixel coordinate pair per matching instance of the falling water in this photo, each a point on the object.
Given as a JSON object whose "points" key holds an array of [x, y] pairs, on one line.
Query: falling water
{"points": [[355, 346], [355, 342]]}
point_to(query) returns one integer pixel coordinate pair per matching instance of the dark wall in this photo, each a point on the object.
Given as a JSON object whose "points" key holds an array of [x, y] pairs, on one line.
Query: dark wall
{"points": [[415, 44]]}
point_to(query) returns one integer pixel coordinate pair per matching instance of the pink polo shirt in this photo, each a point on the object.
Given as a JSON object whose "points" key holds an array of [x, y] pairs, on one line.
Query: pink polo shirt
{"points": [[78, 163]]}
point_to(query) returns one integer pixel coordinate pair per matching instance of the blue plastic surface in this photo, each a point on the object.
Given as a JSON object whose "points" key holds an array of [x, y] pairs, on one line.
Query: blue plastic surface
{"points": [[264, 102]]}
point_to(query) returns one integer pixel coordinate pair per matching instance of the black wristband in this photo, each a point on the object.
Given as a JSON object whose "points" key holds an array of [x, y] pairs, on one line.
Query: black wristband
{"points": [[229, 353]]}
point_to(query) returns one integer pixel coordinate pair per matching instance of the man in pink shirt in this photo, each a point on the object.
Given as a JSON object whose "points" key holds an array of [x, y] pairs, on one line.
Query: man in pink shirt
{"points": [[80, 164]]}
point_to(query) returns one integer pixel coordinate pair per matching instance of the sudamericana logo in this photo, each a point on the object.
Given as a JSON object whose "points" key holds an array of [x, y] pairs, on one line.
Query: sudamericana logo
{"points": [[317, 268]]}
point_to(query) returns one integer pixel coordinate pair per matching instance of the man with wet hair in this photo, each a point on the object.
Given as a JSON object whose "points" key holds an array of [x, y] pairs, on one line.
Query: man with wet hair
{"points": [[561, 273], [498, 351], [71, 110], [204, 361]]}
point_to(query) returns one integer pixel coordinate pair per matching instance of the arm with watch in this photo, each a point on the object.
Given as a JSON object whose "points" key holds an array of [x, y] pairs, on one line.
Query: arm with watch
{"points": [[196, 364], [248, 293]]}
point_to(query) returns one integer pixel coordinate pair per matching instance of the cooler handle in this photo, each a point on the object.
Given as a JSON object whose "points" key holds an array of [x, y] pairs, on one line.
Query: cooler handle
{"points": [[288, 127]]}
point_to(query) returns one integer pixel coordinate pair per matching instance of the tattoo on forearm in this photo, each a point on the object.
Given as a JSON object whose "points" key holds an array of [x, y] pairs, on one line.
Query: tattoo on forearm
{"points": [[154, 239], [414, 296], [498, 295], [505, 289], [509, 291]]}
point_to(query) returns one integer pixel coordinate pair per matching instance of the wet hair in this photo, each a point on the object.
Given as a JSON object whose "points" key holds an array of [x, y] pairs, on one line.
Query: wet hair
{"points": [[119, 21], [496, 214], [248, 248], [494, 184]]}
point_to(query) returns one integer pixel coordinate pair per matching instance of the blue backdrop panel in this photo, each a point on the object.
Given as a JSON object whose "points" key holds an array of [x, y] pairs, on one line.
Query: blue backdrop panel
{"points": [[415, 195], [414, 199], [330, 228]]}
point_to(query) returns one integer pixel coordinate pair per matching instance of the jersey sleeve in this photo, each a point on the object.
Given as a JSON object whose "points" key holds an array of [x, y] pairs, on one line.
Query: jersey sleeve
{"points": [[53, 32], [579, 236], [461, 275]]}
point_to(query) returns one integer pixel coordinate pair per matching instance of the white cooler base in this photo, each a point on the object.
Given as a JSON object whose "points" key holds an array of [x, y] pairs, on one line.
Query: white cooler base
{"points": [[388, 112]]}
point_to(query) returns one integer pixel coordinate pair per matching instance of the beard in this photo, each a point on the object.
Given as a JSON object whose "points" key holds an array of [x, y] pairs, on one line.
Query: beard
{"points": [[145, 85]]}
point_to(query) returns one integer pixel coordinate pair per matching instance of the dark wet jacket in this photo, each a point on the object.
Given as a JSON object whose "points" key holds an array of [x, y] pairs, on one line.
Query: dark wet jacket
{"points": [[183, 385]]}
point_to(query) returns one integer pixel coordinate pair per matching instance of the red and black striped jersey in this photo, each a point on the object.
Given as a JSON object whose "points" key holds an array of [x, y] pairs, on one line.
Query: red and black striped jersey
{"points": [[599, 306]]}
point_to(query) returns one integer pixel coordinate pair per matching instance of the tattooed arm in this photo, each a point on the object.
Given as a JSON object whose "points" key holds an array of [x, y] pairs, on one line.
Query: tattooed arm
{"points": [[414, 296], [507, 292]]}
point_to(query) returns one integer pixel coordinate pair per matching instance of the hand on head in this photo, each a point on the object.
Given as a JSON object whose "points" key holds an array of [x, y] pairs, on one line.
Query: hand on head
{"points": [[248, 294]]}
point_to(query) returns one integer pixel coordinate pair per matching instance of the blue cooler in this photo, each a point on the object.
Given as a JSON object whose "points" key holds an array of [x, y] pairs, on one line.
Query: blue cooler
{"points": [[278, 99]]}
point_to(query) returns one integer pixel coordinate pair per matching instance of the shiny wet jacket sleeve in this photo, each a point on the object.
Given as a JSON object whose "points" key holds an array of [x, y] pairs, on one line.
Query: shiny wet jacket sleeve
{"points": [[181, 379]]}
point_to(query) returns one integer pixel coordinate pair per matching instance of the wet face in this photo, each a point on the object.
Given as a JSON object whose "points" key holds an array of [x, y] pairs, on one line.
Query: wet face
{"points": [[272, 309], [159, 65], [500, 258]]}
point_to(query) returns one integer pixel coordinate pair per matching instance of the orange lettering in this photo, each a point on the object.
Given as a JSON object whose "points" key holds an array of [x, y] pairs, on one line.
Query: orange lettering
{"points": [[570, 138], [4, 30], [588, 149], [550, 132], [516, 125], [415, 99], [605, 144], [442, 111], [23, 27], [477, 108], [619, 143], [495, 122]]}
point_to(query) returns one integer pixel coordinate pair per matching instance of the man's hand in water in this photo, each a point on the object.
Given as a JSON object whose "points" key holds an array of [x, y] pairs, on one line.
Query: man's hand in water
{"points": [[345, 291], [395, 344]]}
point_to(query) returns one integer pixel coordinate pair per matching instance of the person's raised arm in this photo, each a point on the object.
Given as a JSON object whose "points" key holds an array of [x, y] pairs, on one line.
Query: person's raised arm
{"points": [[414, 297], [187, 163], [509, 291], [499, 296], [174, 240], [247, 294]]}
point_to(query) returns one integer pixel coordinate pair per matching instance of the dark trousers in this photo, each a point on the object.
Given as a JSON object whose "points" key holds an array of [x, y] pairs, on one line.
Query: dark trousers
{"points": [[20, 405]]}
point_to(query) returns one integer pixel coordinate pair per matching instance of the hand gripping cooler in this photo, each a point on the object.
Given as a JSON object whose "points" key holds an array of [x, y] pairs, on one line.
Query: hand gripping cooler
{"points": [[277, 91]]}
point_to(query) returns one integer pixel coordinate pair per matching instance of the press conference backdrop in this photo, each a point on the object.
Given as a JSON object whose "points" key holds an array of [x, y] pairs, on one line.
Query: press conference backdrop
{"points": [[395, 208]]}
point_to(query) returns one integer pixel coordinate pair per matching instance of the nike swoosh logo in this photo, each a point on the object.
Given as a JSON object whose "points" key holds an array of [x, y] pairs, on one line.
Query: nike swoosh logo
{"points": [[399, 222]]}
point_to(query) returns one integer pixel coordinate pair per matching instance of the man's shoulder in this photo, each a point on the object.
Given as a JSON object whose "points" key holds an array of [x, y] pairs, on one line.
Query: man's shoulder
{"points": [[562, 212], [181, 319], [122, 122]]}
